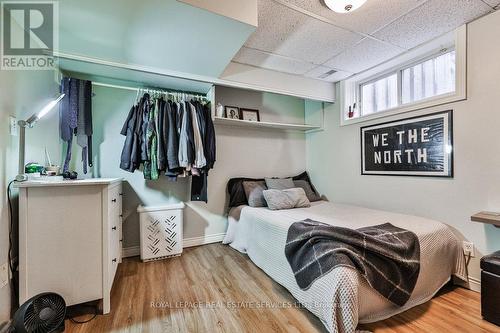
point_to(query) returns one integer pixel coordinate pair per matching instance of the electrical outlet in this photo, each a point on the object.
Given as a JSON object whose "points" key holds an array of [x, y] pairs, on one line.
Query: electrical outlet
{"points": [[4, 275], [12, 125], [468, 248]]}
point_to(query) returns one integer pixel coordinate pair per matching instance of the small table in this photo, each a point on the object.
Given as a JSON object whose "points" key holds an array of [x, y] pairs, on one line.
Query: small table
{"points": [[487, 217]]}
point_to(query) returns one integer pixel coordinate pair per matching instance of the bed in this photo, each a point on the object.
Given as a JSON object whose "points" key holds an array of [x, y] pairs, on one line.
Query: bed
{"points": [[342, 298]]}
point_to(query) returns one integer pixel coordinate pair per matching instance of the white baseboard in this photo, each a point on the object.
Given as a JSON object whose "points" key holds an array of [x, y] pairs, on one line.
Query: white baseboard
{"points": [[208, 239], [134, 251], [474, 284]]}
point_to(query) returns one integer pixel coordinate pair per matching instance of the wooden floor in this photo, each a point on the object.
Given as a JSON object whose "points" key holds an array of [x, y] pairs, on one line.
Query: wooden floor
{"points": [[211, 289]]}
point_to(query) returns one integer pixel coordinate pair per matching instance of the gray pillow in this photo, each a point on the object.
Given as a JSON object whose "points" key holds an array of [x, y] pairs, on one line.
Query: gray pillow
{"points": [[253, 192], [279, 183], [310, 193], [286, 199]]}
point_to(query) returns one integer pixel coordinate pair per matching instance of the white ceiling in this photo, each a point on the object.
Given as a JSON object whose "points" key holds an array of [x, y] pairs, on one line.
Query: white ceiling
{"points": [[304, 37]]}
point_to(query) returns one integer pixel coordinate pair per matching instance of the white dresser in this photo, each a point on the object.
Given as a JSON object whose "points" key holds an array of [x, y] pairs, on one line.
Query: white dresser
{"points": [[70, 238]]}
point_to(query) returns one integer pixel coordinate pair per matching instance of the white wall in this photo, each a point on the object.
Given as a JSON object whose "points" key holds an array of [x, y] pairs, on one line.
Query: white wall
{"points": [[240, 152], [333, 156], [22, 93]]}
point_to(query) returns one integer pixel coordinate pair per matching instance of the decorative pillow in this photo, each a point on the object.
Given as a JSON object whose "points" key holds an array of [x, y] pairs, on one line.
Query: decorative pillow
{"points": [[286, 199], [236, 191], [253, 192], [305, 176], [279, 183], [311, 195]]}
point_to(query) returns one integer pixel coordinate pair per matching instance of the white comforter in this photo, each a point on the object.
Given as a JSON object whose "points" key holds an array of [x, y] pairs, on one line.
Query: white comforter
{"points": [[342, 298]]}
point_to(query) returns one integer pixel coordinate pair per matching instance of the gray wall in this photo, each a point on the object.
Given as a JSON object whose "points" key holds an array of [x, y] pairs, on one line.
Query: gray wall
{"points": [[333, 156], [240, 152]]}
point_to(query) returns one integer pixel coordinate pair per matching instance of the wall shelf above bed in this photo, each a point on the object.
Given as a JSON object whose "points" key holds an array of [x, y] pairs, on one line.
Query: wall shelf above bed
{"points": [[263, 124]]}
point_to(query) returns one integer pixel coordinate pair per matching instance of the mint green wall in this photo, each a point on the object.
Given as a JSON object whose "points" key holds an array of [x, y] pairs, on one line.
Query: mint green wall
{"points": [[333, 156], [161, 34]]}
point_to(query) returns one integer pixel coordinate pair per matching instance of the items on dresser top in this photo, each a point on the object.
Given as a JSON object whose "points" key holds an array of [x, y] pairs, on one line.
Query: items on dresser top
{"points": [[74, 247]]}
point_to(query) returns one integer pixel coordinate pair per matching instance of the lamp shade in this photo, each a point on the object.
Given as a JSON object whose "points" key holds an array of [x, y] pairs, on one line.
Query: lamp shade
{"points": [[344, 6]]}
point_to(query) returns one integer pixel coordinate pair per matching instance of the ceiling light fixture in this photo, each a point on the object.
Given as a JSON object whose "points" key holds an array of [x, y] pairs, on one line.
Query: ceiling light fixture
{"points": [[344, 6]]}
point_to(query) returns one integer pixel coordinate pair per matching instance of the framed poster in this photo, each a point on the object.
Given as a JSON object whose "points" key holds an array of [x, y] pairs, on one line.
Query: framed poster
{"points": [[417, 146]]}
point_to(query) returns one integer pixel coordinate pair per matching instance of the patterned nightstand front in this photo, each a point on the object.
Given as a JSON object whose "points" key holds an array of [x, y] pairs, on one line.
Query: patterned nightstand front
{"points": [[161, 231]]}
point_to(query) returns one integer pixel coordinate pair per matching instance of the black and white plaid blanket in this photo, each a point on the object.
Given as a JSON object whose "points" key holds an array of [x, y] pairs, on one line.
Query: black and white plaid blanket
{"points": [[388, 257]]}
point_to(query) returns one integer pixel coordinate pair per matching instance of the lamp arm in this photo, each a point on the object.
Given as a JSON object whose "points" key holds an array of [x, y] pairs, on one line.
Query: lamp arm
{"points": [[22, 149]]}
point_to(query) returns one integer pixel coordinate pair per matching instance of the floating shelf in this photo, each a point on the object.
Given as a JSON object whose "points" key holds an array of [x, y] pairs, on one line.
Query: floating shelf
{"points": [[263, 124]]}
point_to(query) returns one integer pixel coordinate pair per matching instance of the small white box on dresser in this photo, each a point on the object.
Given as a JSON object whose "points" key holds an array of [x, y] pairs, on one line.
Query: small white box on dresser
{"points": [[161, 231]]}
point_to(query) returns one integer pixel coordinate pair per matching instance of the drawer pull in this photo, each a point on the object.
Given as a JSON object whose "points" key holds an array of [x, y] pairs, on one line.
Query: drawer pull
{"points": [[114, 200], [114, 260], [121, 215], [114, 228], [121, 240], [121, 193]]}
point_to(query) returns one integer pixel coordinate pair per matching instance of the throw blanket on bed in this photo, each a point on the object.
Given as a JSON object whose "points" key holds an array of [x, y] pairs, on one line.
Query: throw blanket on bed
{"points": [[388, 257]]}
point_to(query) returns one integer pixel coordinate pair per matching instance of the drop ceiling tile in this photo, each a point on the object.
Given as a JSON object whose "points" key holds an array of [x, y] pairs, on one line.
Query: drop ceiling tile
{"points": [[271, 61], [373, 15], [432, 19], [366, 54], [319, 73], [290, 33], [492, 3]]}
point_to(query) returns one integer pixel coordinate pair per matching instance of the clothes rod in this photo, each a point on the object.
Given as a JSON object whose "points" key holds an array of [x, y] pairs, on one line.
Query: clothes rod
{"points": [[146, 88]]}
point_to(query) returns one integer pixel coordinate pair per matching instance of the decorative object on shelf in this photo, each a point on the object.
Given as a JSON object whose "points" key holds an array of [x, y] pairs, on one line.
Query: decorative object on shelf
{"points": [[219, 110], [350, 113], [250, 114], [232, 112], [344, 6], [416, 146]]}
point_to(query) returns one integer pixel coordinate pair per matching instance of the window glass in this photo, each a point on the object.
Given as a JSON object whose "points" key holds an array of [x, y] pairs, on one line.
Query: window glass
{"points": [[379, 95], [430, 78]]}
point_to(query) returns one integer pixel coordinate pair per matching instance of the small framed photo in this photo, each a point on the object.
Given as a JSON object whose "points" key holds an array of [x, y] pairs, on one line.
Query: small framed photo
{"points": [[250, 114], [232, 112]]}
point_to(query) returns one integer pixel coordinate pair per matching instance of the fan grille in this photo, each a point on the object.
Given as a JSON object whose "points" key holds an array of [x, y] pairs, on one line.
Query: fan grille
{"points": [[45, 314]]}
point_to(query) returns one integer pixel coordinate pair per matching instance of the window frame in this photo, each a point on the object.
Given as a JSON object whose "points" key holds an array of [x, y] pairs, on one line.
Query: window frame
{"points": [[351, 88]]}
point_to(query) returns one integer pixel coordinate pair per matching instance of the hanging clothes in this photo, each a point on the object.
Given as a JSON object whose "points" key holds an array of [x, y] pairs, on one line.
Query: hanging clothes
{"points": [[172, 137], [75, 118]]}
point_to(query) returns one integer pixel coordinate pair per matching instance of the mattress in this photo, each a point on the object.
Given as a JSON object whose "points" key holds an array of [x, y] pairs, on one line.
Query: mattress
{"points": [[342, 298]]}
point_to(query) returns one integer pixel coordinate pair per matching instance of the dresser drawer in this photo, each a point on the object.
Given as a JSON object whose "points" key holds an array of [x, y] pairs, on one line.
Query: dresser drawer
{"points": [[114, 231]]}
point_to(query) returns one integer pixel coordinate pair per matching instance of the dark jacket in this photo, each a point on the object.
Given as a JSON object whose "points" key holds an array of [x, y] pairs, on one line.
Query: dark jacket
{"points": [[162, 160], [172, 136], [209, 141], [128, 130]]}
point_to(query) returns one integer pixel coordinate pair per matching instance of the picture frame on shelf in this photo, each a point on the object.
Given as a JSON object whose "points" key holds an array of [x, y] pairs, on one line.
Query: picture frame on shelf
{"points": [[232, 112], [250, 114]]}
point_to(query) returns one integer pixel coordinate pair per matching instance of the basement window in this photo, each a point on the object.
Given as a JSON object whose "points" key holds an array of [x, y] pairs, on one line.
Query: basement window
{"points": [[432, 77], [427, 76]]}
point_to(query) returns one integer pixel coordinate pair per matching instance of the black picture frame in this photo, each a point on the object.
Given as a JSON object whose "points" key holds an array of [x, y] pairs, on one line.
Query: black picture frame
{"points": [[438, 147], [228, 109], [254, 111]]}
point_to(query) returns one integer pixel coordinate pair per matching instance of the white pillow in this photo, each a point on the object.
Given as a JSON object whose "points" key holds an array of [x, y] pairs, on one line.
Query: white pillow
{"points": [[286, 199]]}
